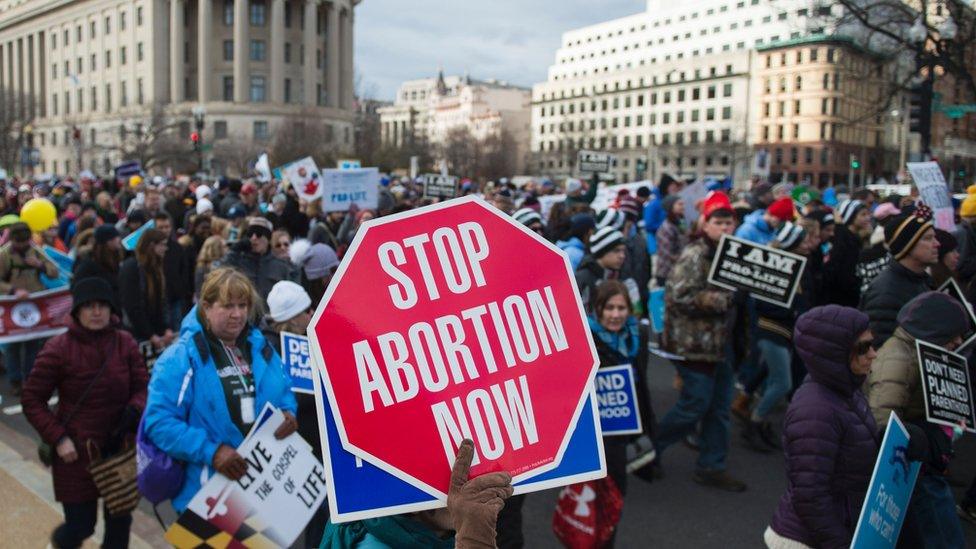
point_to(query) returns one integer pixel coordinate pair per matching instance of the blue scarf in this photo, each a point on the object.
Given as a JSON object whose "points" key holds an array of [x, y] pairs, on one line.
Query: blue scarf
{"points": [[625, 342]]}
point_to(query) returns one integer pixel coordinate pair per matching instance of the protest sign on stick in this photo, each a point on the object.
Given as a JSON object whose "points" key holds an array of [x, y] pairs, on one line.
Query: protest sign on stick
{"points": [[305, 178], [934, 191], [343, 188], [296, 362], [946, 389], [768, 274], [616, 393], [589, 162], [42, 314], [439, 186], [436, 329]]}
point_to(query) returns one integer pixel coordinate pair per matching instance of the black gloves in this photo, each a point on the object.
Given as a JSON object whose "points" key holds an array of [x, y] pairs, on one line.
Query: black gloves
{"points": [[918, 443], [127, 425]]}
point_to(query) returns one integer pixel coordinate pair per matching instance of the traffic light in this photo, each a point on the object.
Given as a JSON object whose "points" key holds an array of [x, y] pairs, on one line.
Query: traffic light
{"points": [[855, 163], [920, 111], [195, 138]]}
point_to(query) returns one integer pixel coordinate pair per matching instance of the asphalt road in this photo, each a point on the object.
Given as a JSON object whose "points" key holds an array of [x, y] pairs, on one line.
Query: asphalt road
{"points": [[672, 512]]}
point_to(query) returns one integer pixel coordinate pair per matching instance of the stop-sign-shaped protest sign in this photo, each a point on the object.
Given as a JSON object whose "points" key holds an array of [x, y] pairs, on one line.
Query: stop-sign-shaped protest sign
{"points": [[452, 322]]}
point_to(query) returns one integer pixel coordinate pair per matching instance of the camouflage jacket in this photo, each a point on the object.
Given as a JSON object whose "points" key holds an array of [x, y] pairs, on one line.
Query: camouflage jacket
{"points": [[695, 324]]}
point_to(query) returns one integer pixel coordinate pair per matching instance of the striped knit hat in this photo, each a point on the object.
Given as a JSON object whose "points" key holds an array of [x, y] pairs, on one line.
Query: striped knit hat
{"points": [[603, 240], [847, 209], [610, 218], [902, 233], [789, 236], [527, 216]]}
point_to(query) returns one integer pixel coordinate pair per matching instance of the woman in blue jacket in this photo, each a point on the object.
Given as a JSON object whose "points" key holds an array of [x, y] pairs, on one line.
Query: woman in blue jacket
{"points": [[207, 388]]}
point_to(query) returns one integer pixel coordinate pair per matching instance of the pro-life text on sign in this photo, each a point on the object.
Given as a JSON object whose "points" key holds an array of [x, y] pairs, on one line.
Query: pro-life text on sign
{"points": [[440, 186], [588, 162], [453, 322], [766, 273], [946, 387]]}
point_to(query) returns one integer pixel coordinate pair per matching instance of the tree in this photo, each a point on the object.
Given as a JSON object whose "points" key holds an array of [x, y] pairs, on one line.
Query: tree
{"points": [[155, 142], [236, 155], [304, 134], [461, 151], [15, 117]]}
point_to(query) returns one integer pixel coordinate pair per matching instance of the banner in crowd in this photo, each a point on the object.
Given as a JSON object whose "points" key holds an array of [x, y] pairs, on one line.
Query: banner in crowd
{"points": [[768, 274], [132, 239], [889, 491], [440, 186], [946, 388], [305, 177], [296, 362], [952, 288], [343, 188], [454, 335], [606, 196], [41, 314], [589, 162], [263, 168], [616, 395], [934, 191], [64, 261], [268, 507], [388, 495]]}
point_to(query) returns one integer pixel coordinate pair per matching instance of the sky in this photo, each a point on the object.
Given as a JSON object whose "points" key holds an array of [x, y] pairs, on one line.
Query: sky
{"points": [[511, 40]]}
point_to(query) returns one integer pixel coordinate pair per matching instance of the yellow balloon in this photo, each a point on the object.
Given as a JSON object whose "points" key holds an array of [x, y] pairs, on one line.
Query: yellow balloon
{"points": [[135, 180], [39, 214]]}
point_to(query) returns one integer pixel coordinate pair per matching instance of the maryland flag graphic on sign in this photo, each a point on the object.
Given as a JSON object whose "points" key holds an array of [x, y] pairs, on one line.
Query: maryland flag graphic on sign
{"points": [[230, 523]]}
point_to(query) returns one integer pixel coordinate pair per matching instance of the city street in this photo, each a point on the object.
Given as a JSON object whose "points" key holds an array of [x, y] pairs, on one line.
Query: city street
{"points": [[664, 514]]}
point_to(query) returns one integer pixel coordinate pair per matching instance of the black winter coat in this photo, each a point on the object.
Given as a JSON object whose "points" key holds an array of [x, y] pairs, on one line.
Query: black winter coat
{"points": [[178, 272], [841, 285], [144, 318], [264, 271], [888, 293]]}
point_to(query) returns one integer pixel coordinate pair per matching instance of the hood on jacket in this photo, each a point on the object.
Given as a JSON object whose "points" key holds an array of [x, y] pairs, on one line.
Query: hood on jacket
{"points": [[934, 317], [572, 242], [824, 338], [756, 218], [589, 264]]}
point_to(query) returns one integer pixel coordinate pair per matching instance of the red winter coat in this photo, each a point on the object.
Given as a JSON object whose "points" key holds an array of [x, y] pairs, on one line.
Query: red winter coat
{"points": [[67, 363]]}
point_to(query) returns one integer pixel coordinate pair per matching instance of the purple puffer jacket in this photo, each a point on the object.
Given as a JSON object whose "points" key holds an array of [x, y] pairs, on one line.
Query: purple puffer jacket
{"points": [[829, 435]]}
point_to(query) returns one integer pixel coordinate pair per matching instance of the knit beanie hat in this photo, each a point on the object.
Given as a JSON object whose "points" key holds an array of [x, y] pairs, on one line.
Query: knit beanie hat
{"points": [[610, 218], [630, 207], [105, 233], [782, 209], [573, 185], [527, 216], [259, 226], [315, 259], [789, 236], [604, 240], [947, 242], [934, 317], [968, 206], [715, 201], [885, 210], [91, 289], [204, 205], [287, 300], [202, 192], [824, 217], [847, 210], [903, 231]]}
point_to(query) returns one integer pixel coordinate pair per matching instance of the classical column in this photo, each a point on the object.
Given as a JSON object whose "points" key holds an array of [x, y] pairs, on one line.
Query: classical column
{"points": [[17, 83], [277, 55], [347, 56], [204, 49], [333, 58], [3, 68], [39, 76], [310, 43], [242, 79], [176, 38]]}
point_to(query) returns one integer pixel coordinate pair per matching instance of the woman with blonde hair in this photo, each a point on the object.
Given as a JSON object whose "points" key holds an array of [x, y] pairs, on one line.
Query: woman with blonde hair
{"points": [[206, 389], [213, 250]]}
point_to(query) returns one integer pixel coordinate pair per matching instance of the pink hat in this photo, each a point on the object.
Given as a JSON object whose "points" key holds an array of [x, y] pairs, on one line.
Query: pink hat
{"points": [[885, 210]]}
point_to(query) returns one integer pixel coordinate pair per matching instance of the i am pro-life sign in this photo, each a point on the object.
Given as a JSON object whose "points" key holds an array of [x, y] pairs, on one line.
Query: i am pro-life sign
{"points": [[766, 273]]}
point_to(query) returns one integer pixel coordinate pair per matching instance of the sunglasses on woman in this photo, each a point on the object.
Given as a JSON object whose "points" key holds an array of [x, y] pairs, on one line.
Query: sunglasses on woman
{"points": [[862, 348]]}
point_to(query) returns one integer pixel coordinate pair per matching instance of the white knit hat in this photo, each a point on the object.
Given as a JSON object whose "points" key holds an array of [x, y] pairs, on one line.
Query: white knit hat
{"points": [[204, 205], [287, 300], [202, 192]]}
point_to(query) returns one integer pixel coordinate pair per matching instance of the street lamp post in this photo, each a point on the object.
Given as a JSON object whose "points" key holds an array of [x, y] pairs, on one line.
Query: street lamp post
{"points": [[199, 112]]}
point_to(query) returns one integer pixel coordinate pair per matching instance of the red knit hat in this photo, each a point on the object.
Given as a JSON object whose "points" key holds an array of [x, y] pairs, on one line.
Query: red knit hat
{"points": [[714, 201], [782, 209]]}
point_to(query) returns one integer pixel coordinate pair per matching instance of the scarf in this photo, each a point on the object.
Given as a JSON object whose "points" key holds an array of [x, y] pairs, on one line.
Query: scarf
{"points": [[625, 342]]}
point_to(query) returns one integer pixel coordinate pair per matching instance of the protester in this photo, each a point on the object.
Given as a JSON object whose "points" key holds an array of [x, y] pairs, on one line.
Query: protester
{"points": [[696, 329], [607, 255], [965, 234], [531, 219], [760, 226], [910, 239], [221, 362], [178, 272], [577, 237], [100, 379], [213, 250], [947, 267], [316, 263], [280, 244], [142, 287], [103, 259], [841, 285], [895, 386], [21, 267], [253, 257], [671, 238]]}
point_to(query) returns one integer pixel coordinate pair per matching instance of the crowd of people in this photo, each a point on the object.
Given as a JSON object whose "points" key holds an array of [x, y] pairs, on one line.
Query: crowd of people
{"points": [[179, 335]]}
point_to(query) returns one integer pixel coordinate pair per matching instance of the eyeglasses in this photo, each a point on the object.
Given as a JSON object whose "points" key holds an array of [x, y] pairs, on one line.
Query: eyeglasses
{"points": [[862, 348]]}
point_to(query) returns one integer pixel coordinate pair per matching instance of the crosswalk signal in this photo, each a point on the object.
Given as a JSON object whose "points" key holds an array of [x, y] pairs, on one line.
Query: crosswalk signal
{"points": [[195, 139], [855, 163]]}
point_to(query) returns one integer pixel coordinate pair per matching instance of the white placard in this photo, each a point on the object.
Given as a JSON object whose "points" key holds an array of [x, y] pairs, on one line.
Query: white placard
{"points": [[343, 188]]}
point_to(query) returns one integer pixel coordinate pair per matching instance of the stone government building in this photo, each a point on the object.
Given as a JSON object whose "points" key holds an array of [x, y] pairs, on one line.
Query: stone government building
{"points": [[92, 70]]}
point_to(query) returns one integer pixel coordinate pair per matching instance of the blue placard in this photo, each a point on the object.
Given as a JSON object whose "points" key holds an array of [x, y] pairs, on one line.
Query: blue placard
{"points": [[888, 493], [655, 305], [360, 490], [130, 241], [296, 362], [616, 396], [64, 261]]}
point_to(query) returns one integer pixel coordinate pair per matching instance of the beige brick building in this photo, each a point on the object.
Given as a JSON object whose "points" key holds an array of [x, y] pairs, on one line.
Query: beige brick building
{"points": [[96, 69]]}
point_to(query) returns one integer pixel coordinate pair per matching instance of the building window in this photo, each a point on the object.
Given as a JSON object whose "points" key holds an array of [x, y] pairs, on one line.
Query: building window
{"points": [[78, 34], [258, 50], [54, 104], [91, 29], [796, 131], [139, 97], [81, 100], [122, 55], [258, 13], [123, 94], [726, 113], [93, 62], [711, 92], [139, 16], [94, 99], [79, 66], [727, 90], [710, 114], [287, 15], [260, 130], [108, 25], [287, 52], [220, 129], [139, 52], [796, 107], [121, 20], [228, 13], [66, 37], [258, 91], [108, 98], [54, 71], [108, 59], [228, 88], [288, 91], [228, 50]]}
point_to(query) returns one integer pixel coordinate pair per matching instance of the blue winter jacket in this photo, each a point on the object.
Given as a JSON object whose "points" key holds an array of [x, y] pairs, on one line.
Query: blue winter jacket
{"points": [[654, 214], [755, 229], [186, 415], [574, 248]]}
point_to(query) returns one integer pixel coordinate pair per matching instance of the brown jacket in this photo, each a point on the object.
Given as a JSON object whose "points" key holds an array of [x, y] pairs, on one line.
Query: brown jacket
{"points": [[15, 274], [695, 324], [894, 382]]}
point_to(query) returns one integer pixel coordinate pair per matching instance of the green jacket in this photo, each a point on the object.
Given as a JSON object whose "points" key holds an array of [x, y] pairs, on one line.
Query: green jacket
{"points": [[394, 532]]}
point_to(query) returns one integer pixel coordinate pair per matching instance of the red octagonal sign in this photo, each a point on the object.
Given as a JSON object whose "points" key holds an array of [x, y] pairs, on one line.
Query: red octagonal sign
{"points": [[450, 322]]}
